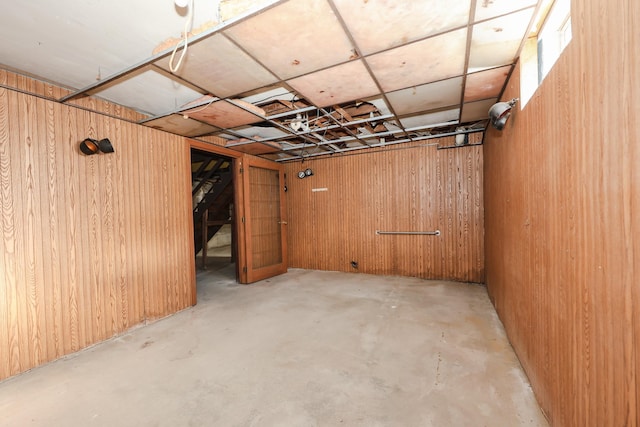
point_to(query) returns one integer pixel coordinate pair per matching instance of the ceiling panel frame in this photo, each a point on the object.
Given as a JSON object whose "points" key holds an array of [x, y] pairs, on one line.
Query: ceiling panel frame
{"points": [[500, 15], [375, 39], [358, 50], [291, 136], [312, 136], [179, 110], [407, 131], [273, 122], [451, 108], [165, 87], [348, 130], [291, 113], [302, 135], [329, 115], [434, 126], [388, 143], [178, 79], [474, 76], [382, 94], [499, 44], [333, 49], [167, 52], [536, 11], [213, 63], [470, 22], [359, 139], [168, 121]]}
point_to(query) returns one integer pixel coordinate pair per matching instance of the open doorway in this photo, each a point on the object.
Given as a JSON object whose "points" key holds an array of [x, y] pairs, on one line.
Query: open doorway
{"points": [[243, 196], [212, 192]]}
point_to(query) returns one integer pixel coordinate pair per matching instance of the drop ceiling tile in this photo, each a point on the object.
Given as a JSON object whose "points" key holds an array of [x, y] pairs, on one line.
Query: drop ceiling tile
{"points": [[150, 93], [487, 9], [343, 83], [374, 24], [436, 58], [254, 148], [224, 114], [219, 66], [485, 84], [176, 123], [294, 38], [496, 42], [430, 119], [426, 97], [73, 43], [268, 94], [261, 132], [478, 110], [380, 104], [227, 135], [392, 126]]}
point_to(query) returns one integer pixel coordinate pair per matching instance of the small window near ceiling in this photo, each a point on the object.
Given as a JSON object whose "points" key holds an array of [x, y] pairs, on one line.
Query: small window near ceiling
{"points": [[550, 35]]}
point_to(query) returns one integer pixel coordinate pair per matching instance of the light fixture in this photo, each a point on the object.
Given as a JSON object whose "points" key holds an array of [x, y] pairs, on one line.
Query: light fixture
{"points": [[296, 124], [305, 173], [500, 112], [181, 3], [461, 138], [91, 146]]}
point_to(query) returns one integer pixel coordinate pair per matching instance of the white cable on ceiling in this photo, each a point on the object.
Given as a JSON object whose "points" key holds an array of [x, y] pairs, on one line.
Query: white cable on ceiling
{"points": [[185, 35]]}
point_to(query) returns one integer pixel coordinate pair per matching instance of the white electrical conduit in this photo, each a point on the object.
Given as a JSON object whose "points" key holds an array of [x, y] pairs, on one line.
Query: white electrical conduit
{"points": [[185, 35]]}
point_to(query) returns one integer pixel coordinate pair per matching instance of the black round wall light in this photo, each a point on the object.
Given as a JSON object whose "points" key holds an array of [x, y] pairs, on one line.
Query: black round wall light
{"points": [[305, 173], [91, 146], [499, 113]]}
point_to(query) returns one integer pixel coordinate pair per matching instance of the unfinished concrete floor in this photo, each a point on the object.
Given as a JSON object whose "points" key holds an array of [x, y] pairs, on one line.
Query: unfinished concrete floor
{"points": [[307, 348]]}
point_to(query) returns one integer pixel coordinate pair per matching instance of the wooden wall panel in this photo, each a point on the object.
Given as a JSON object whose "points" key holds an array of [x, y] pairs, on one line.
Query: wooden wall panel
{"points": [[634, 220], [408, 189], [91, 245], [561, 208]]}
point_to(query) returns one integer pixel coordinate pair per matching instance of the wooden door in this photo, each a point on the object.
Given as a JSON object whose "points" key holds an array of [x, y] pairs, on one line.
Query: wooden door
{"points": [[262, 237]]}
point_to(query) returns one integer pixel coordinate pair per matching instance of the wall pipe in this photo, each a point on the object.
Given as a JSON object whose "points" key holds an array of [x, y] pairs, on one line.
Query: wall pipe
{"points": [[410, 233]]}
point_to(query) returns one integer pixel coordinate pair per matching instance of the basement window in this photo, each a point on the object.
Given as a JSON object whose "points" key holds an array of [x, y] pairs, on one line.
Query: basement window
{"points": [[549, 37]]}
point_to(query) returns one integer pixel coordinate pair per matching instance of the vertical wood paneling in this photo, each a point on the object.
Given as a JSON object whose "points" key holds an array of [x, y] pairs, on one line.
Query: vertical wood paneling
{"points": [[6, 243], [414, 189], [69, 240], [561, 208], [634, 221], [91, 245], [7, 261], [19, 299], [51, 193]]}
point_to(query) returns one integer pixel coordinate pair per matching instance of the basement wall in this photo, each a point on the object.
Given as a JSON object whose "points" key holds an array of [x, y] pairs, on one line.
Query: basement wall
{"points": [[334, 214], [562, 223], [91, 245]]}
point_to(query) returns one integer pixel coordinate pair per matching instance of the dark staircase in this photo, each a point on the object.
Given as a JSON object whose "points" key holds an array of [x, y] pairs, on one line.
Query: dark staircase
{"points": [[212, 196]]}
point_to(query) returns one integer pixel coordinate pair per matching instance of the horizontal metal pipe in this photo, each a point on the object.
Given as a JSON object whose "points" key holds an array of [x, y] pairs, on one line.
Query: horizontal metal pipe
{"points": [[411, 233]]}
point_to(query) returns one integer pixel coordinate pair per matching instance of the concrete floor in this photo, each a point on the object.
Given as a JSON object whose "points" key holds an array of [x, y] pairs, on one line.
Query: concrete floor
{"points": [[307, 348]]}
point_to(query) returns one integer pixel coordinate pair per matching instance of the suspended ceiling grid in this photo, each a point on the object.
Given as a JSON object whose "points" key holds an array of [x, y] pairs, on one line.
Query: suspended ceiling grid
{"points": [[303, 78]]}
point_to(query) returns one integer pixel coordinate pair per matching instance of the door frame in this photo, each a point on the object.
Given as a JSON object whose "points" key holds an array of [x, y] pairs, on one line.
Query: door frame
{"points": [[239, 160], [234, 156]]}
